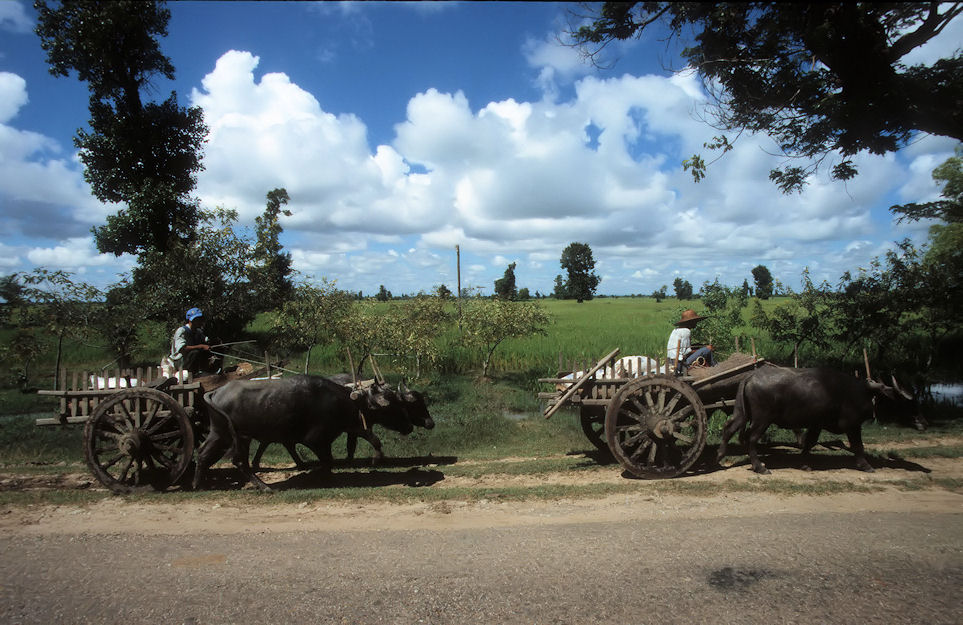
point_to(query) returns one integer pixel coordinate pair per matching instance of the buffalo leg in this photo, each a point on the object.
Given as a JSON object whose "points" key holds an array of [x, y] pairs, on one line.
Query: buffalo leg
{"points": [[755, 433], [240, 460], [323, 451], [210, 452], [292, 451], [375, 442], [736, 423], [256, 462], [807, 443], [352, 445], [855, 437]]}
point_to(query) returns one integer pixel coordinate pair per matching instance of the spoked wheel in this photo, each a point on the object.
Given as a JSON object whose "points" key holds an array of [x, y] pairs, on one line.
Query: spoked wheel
{"points": [[137, 438], [593, 424], [656, 427]]}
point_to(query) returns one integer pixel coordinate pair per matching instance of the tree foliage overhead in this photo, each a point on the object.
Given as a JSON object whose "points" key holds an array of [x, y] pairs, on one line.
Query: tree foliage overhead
{"points": [[582, 281], [820, 78], [949, 176], [145, 155]]}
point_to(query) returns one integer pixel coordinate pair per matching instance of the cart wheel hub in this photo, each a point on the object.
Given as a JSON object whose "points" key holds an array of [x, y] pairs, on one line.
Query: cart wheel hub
{"points": [[662, 428], [134, 443]]}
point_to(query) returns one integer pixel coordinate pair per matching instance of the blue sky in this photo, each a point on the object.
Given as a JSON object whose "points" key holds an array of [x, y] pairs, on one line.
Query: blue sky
{"points": [[403, 129]]}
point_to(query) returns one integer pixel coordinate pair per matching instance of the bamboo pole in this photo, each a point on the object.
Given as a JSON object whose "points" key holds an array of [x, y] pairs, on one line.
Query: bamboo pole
{"points": [[578, 383]]}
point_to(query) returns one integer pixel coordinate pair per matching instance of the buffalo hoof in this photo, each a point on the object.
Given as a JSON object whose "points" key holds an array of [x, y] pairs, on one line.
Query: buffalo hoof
{"points": [[806, 467], [762, 470], [866, 468]]}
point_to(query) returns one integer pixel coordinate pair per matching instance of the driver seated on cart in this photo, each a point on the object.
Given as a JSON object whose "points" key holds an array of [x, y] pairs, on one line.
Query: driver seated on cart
{"points": [[190, 347], [680, 348]]}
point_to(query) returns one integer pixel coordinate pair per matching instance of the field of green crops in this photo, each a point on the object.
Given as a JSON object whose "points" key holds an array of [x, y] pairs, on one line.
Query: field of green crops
{"points": [[584, 332]]}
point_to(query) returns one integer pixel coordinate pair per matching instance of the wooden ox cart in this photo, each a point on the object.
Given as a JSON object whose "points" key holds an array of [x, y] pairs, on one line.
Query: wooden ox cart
{"points": [[653, 421], [140, 427]]}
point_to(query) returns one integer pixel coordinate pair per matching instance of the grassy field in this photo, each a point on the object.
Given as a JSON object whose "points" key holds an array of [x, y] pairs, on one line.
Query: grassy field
{"points": [[584, 331]]}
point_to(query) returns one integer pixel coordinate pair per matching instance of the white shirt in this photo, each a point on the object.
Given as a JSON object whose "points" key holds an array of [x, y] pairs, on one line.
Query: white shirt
{"points": [[681, 339]]}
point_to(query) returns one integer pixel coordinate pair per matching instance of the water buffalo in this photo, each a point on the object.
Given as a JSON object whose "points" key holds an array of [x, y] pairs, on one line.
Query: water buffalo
{"points": [[412, 402], [310, 410], [810, 399]]}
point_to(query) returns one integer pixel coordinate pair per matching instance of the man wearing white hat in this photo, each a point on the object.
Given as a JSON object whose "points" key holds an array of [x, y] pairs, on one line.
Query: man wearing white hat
{"points": [[680, 343]]}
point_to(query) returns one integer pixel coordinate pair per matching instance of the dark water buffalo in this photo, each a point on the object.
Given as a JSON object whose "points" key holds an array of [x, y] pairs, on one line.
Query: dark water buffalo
{"points": [[412, 402], [309, 410], [814, 400]]}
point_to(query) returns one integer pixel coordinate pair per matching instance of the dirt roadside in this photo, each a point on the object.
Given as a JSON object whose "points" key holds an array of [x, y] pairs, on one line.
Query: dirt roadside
{"points": [[903, 484]]}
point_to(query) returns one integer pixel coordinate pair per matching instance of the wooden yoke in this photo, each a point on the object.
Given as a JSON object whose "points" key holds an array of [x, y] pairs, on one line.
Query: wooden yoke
{"points": [[578, 383]]}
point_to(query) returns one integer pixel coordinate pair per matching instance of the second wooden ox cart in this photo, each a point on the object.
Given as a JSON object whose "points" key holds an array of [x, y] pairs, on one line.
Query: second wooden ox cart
{"points": [[653, 421]]}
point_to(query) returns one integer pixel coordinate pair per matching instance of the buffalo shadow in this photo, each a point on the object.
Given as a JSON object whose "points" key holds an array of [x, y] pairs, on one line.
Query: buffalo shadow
{"points": [[777, 455], [229, 478]]}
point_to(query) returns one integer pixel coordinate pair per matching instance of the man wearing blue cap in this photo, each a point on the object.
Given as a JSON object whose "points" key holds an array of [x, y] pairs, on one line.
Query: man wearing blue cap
{"points": [[189, 347]]}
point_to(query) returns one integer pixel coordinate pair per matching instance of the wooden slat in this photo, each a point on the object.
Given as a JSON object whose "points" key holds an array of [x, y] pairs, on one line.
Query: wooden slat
{"points": [[56, 421], [572, 389], [727, 373]]}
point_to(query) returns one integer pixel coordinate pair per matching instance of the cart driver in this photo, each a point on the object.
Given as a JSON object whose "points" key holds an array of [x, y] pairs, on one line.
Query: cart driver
{"points": [[680, 347], [190, 349]]}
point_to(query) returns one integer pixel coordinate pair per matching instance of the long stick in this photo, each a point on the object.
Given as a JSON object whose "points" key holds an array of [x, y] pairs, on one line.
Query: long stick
{"points": [[866, 362], [256, 362], [374, 367], [354, 378], [571, 390]]}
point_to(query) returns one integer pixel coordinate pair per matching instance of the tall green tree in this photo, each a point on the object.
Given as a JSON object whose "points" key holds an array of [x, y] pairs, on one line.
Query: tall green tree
{"points": [[558, 291], [724, 308], [820, 78], [11, 292], [764, 282], [578, 262], [683, 288], [270, 272], [505, 286], [144, 155], [211, 272]]}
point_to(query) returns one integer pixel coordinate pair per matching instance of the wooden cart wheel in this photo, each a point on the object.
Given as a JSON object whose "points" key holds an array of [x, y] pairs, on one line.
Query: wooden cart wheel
{"points": [[593, 424], [656, 427], [138, 437]]}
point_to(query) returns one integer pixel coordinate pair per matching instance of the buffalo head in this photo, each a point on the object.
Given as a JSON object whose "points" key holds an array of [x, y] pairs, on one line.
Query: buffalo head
{"points": [[414, 404], [896, 403]]}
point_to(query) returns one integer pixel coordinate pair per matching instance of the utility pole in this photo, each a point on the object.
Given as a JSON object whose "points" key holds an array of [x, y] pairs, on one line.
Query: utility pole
{"points": [[458, 265]]}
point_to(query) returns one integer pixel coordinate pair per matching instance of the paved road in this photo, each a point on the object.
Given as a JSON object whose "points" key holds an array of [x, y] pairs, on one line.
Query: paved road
{"points": [[832, 567]]}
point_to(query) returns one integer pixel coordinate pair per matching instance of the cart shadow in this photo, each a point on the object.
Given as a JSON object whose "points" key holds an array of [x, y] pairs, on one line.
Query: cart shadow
{"points": [[787, 456], [593, 457]]}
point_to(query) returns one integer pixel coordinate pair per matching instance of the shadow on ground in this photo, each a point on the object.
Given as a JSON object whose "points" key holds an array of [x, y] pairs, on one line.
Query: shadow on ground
{"points": [[783, 456], [229, 478]]}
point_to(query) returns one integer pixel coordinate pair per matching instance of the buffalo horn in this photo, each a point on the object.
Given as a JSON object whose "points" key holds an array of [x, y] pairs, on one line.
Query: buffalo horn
{"points": [[899, 388]]}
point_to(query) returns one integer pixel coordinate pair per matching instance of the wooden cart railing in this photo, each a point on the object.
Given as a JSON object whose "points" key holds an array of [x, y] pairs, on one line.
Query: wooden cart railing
{"points": [[81, 392]]}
